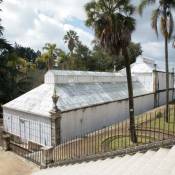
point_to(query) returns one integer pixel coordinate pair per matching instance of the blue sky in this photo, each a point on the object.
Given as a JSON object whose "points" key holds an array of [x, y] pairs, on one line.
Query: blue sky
{"points": [[35, 22]]}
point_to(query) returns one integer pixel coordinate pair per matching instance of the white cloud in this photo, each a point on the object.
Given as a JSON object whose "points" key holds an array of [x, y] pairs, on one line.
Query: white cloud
{"points": [[153, 49], [33, 23]]}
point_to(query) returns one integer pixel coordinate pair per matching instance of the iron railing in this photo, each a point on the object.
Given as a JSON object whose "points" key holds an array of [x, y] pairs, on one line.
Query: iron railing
{"points": [[151, 127], [28, 150]]}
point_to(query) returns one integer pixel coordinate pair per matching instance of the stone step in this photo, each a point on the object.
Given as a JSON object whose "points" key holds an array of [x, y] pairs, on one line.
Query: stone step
{"points": [[113, 164], [154, 161], [140, 162], [167, 164], [126, 164]]}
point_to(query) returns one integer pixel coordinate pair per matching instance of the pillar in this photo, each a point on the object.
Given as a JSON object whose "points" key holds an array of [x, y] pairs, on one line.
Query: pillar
{"points": [[6, 142], [46, 156], [55, 128], [55, 114]]}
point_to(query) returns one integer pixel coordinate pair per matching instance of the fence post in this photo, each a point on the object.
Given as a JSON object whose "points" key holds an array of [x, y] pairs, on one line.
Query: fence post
{"points": [[46, 156], [155, 86], [6, 142], [55, 122]]}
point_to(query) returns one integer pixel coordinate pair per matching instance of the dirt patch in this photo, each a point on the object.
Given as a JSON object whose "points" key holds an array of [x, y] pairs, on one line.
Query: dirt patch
{"points": [[11, 164]]}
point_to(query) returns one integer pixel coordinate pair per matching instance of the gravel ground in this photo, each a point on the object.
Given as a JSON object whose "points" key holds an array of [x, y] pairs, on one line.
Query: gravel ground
{"points": [[11, 164]]}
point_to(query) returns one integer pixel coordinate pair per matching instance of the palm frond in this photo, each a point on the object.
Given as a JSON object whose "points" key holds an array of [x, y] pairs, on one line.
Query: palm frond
{"points": [[5, 45], [154, 20], [90, 9], [143, 4], [163, 26], [171, 25]]}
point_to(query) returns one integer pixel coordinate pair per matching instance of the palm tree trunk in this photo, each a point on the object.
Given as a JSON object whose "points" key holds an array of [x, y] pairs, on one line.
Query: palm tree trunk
{"points": [[166, 67], [130, 96], [167, 80]]}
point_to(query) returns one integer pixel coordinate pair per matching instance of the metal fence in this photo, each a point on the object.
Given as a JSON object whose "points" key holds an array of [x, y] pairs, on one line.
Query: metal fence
{"points": [[150, 127], [27, 150]]}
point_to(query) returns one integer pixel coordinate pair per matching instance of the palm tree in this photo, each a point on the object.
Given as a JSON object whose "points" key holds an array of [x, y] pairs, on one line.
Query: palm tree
{"points": [[52, 52], [113, 24], [164, 13], [72, 39]]}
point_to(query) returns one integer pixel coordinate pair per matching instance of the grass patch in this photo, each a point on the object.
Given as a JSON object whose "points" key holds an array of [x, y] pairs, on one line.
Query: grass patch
{"points": [[125, 141]]}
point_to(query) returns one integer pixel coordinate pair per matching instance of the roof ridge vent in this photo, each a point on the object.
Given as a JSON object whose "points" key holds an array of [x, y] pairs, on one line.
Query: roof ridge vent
{"points": [[62, 77]]}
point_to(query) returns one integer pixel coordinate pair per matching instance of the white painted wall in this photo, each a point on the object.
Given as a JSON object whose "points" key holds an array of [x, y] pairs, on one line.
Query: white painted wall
{"points": [[82, 121], [162, 80], [146, 79], [29, 127]]}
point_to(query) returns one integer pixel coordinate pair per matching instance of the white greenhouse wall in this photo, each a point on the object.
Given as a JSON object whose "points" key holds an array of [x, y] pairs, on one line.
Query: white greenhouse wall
{"points": [[61, 77], [162, 80], [146, 79], [28, 127], [82, 121]]}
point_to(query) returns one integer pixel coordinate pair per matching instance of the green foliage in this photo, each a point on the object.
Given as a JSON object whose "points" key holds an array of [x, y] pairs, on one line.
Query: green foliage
{"points": [[48, 57], [26, 52], [13, 75], [83, 58]]}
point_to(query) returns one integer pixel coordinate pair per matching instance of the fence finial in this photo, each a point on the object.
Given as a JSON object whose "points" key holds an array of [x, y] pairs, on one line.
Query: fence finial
{"points": [[55, 98]]}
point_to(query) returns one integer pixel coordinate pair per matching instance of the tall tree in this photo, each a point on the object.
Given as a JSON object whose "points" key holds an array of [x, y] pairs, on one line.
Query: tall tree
{"points": [[113, 24], [72, 39], [163, 13], [52, 52]]}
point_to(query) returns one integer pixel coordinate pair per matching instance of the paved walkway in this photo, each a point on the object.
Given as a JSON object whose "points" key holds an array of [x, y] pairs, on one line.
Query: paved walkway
{"points": [[11, 164]]}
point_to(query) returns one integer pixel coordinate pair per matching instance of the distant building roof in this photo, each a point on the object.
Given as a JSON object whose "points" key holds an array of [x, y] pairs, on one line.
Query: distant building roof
{"points": [[76, 89], [142, 65]]}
